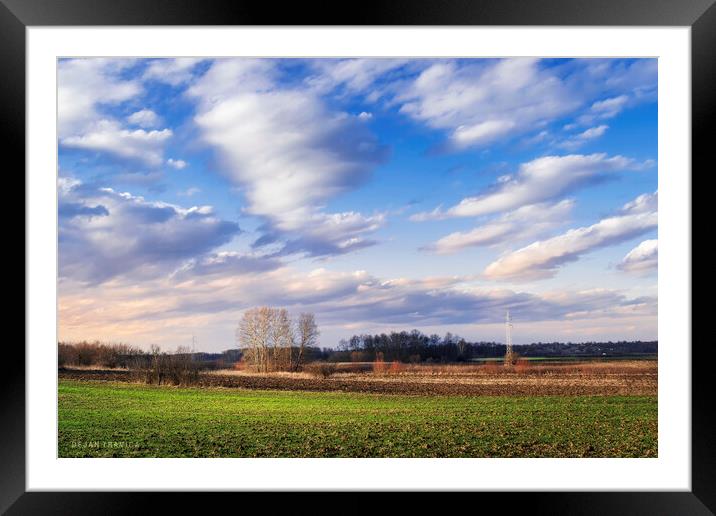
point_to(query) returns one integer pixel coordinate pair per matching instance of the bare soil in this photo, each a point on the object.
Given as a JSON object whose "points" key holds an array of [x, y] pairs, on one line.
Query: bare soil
{"points": [[638, 378]]}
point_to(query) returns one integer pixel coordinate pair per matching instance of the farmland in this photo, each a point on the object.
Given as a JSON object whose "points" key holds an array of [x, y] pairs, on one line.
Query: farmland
{"points": [[589, 410]]}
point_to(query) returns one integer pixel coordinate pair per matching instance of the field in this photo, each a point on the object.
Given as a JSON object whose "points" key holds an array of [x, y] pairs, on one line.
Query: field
{"points": [[594, 410], [126, 420]]}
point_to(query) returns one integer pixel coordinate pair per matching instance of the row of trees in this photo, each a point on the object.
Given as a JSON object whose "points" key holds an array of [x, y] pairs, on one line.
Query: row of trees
{"points": [[96, 354], [272, 341], [154, 366], [415, 346]]}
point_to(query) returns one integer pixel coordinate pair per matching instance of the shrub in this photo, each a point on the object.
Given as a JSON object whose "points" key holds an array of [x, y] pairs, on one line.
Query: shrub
{"points": [[521, 365], [379, 366], [492, 367], [395, 367], [321, 369]]}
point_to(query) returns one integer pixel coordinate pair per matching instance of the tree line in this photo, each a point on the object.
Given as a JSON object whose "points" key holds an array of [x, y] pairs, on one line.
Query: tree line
{"points": [[269, 340], [415, 346]]}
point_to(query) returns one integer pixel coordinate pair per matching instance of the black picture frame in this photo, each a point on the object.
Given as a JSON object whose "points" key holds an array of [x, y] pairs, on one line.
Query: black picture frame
{"points": [[700, 15]]}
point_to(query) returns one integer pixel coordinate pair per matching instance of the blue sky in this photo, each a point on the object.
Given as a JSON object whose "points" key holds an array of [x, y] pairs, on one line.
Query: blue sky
{"points": [[381, 194]]}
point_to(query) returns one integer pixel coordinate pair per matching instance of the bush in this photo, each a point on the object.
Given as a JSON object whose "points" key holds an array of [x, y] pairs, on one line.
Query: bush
{"points": [[379, 366], [395, 367], [492, 367], [321, 369], [521, 365]]}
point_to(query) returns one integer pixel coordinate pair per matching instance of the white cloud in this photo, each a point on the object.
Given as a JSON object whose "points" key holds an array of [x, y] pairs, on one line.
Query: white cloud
{"points": [[540, 180], [178, 164], [580, 139], [109, 136], [212, 292], [145, 118], [643, 259], [84, 85], [645, 203], [541, 259], [104, 233], [525, 222], [481, 132], [356, 75], [226, 78], [325, 234], [226, 263], [482, 102], [189, 192], [609, 108], [288, 153], [172, 71]]}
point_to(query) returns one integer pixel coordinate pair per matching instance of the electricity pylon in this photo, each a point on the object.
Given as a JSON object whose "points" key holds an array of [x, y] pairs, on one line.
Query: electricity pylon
{"points": [[509, 357]]}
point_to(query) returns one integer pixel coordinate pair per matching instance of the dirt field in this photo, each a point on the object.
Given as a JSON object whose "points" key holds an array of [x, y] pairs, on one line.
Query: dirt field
{"points": [[636, 378]]}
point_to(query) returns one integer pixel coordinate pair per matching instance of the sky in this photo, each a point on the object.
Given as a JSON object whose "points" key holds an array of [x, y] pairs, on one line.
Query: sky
{"points": [[380, 194]]}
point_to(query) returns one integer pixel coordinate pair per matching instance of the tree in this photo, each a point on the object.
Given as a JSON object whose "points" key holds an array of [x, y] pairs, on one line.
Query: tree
{"points": [[267, 338], [307, 335], [254, 334], [282, 339]]}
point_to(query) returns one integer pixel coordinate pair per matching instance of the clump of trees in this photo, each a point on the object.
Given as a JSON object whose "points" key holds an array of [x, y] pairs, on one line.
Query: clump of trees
{"points": [[154, 367], [271, 341], [96, 354], [159, 368], [414, 347]]}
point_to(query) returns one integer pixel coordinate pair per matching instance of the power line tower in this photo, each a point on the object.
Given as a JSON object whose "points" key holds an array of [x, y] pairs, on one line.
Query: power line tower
{"points": [[509, 357]]}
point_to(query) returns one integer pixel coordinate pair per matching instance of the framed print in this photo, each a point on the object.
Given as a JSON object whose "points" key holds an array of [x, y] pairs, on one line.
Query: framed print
{"points": [[413, 249]]}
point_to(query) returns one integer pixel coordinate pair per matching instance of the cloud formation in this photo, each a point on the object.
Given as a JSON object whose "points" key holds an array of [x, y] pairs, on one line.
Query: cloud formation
{"points": [[526, 222], [541, 259], [540, 180], [479, 103], [225, 263], [86, 88], [178, 164], [145, 118], [104, 233], [289, 154], [219, 294], [585, 136], [136, 144], [85, 85], [643, 259], [354, 75], [174, 72], [296, 140]]}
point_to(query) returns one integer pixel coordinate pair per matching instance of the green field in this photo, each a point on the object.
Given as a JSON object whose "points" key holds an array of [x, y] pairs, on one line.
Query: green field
{"points": [[127, 420]]}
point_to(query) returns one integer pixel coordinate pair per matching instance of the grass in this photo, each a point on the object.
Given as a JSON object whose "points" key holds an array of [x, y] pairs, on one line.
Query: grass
{"points": [[98, 419]]}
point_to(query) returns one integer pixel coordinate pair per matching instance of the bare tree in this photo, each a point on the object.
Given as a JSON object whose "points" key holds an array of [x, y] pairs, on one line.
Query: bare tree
{"points": [[254, 334], [268, 338], [156, 372], [282, 339], [307, 335]]}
